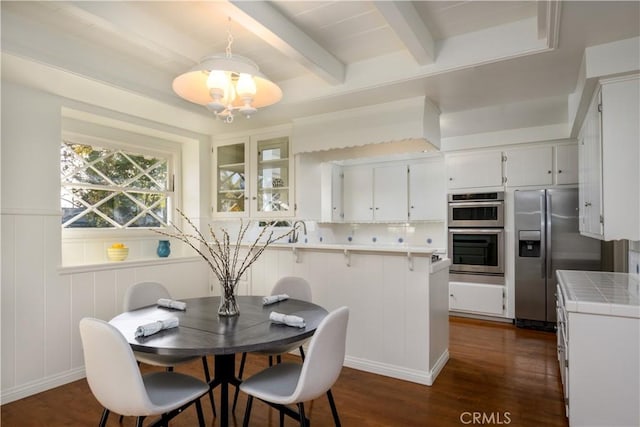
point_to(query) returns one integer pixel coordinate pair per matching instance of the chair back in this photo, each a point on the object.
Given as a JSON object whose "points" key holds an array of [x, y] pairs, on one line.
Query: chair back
{"points": [[295, 287], [325, 357], [112, 372], [144, 294]]}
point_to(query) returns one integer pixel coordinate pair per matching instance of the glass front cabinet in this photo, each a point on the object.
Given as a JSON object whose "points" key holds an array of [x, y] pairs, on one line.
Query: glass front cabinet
{"points": [[254, 176]]}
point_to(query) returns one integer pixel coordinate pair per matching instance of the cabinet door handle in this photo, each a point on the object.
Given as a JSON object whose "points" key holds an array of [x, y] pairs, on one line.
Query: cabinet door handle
{"points": [[412, 207], [548, 171], [559, 170], [254, 198], [370, 209], [450, 179], [377, 208], [587, 204]]}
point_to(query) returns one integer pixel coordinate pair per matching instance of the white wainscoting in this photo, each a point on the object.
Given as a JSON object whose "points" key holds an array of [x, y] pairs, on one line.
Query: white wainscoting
{"points": [[398, 322], [41, 307]]}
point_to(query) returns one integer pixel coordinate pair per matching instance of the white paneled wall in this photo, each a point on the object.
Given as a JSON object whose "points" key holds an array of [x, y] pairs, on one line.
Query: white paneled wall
{"points": [[391, 330], [43, 304]]}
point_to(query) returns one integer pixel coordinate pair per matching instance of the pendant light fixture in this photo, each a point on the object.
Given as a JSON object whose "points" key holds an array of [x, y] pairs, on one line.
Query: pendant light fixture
{"points": [[226, 84]]}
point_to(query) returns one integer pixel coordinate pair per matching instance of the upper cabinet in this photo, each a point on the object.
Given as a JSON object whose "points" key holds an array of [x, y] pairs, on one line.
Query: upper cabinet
{"points": [[230, 162], [478, 169], [609, 150], [516, 167], [528, 166], [375, 193], [253, 176], [427, 190], [566, 165]]}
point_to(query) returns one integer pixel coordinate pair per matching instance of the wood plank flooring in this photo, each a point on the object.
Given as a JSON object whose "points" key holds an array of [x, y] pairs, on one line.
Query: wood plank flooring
{"points": [[497, 373]]}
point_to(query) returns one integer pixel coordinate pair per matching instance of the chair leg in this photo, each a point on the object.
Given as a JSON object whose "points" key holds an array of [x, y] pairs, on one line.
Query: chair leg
{"points": [[303, 418], [247, 412], [199, 411], [270, 361], [207, 376], [334, 411], [240, 372], [103, 418], [139, 421], [281, 418], [121, 418], [302, 353], [279, 358]]}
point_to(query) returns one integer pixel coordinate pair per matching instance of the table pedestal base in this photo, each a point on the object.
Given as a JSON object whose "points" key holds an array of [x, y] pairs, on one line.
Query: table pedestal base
{"points": [[224, 374]]}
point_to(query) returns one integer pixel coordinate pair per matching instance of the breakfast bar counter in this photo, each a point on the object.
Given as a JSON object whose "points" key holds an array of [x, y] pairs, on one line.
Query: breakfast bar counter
{"points": [[397, 295]]}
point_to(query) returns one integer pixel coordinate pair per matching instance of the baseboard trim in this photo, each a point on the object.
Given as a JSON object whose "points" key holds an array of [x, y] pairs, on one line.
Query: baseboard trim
{"points": [[35, 387], [399, 372]]}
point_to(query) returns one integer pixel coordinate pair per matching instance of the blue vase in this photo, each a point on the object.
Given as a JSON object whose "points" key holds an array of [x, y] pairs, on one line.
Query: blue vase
{"points": [[164, 248]]}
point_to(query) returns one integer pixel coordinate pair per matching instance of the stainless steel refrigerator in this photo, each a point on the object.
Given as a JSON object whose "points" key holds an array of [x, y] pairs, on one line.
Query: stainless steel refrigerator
{"points": [[547, 239]]}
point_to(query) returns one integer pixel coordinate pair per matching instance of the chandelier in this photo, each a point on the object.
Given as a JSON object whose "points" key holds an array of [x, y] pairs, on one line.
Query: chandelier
{"points": [[227, 84]]}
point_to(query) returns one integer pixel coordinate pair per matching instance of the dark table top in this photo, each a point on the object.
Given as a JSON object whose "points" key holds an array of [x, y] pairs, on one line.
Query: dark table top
{"points": [[202, 331]]}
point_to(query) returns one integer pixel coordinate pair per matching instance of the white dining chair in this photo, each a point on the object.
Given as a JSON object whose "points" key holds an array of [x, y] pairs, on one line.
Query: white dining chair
{"points": [[144, 294], [116, 381], [296, 288], [290, 383]]}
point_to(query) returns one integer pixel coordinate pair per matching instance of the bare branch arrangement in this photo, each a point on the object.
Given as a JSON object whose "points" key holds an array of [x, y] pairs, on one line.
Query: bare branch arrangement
{"points": [[223, 256]]}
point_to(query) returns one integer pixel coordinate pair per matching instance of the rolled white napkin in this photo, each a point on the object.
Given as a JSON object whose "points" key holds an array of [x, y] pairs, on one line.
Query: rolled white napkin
{"points": [[274, 299], [169, 303], [287, 319], [155, 327]]}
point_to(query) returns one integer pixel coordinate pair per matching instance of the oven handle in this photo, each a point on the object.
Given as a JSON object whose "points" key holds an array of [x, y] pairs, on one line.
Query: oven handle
{"points": [[468, 204], [496, 230]]}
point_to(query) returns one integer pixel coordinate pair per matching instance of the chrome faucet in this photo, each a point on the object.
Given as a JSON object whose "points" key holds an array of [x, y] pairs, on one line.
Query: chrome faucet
{"points": [[294, 235]]}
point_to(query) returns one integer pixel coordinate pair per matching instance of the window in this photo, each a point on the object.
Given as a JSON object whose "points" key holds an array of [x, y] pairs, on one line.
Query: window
{"points": [[104, 187]]}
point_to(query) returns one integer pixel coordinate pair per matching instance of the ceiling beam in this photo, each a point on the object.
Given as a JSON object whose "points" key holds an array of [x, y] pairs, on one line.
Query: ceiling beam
{"points": [[404, 20], [549, 22], [273, 27]]}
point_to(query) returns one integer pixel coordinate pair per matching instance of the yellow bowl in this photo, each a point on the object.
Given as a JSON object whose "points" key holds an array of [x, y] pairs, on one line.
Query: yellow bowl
{"points": [[117, 254]]}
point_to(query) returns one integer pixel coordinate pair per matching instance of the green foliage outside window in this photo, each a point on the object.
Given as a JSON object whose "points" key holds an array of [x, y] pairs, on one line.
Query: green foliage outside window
{"points": [[112, 188]]}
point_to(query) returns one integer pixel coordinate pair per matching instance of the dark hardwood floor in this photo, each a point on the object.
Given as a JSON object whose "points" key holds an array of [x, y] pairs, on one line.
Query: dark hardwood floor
{"points": [[497, 373]]}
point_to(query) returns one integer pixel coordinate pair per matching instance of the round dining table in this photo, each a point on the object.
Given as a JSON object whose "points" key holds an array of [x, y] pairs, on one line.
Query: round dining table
{"points": [[202, 332]]}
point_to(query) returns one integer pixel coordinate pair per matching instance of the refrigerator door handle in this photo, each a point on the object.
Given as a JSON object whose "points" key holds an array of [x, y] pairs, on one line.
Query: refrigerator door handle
{"points": [[548, 236], [543, 235]]}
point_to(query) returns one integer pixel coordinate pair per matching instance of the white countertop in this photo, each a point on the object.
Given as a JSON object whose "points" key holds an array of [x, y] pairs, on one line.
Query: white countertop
{"points": [[597, 292], [418, 250]]}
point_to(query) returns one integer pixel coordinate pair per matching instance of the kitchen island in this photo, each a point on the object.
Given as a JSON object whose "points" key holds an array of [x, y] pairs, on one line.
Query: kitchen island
{"points": [[398, 300], [599, 347]]}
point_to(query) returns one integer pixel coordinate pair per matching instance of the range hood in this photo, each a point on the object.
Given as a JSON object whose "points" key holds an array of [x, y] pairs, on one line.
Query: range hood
{"points": [[411, 124]]}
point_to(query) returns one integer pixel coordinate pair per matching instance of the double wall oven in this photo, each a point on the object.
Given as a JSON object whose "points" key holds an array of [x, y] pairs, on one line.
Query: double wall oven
{"points": [[476, 235]]}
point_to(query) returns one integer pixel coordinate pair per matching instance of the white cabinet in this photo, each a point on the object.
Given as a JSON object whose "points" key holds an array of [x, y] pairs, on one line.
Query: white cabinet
{"points": [[598, 352], [427, 195], [254, 176], [566, 164], [331, 193], [471, 170], [609, 156], [375, 193], [230, 167], [477, 298], [529, 166]]}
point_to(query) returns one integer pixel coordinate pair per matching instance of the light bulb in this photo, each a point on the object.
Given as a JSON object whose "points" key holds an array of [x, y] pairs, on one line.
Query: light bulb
{"points": [[217, 80], [246, 86]]}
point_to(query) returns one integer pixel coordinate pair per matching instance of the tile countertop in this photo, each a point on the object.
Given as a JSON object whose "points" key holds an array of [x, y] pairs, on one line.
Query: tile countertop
{"points": [[598, 292]]}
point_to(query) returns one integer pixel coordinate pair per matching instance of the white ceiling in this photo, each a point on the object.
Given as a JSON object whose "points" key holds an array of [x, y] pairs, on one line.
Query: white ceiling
{"points": [[488, 65]]}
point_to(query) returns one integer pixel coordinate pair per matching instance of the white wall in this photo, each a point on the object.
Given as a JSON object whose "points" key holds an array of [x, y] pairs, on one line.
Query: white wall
{"points": [[41, 304]]}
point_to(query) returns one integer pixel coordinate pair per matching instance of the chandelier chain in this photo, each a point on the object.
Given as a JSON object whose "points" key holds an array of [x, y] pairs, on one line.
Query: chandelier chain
{"points": [[229, 41]]}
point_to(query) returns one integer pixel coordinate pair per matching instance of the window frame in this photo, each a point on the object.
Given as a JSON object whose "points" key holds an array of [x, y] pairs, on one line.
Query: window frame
{"points": [[138, 144]]}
